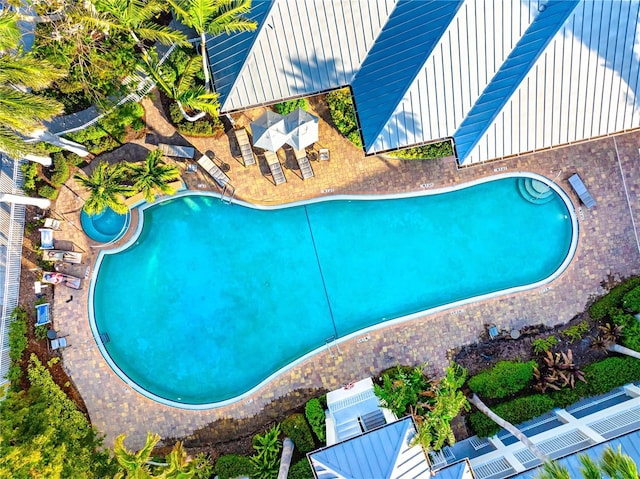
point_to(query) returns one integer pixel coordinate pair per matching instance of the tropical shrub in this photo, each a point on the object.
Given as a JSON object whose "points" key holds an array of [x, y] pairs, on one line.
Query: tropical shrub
{"points": [[515, 411], [266, 460], [502, 380], [207, 126], [45, 435], [289, 106], [60, 169], [542, 345], [401, 388], [434, 150], [602, 307], [343, 114], [30, 173], [631, 300], [48, 191], [41, 332], [17, 337], [575, 332], [314, 412], [300, 470], [603, 376], [297, 428], [231, 466]]}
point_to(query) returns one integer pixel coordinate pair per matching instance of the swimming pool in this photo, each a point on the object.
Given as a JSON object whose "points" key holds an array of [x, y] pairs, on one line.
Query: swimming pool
{"points": [[209, 301]]}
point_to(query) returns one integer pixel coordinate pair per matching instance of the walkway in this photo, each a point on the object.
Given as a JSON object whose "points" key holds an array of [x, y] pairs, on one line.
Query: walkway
{"points": [[607, 249]]}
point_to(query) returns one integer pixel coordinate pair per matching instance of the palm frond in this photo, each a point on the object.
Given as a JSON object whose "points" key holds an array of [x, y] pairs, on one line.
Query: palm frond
{"points": [[162, 34], [228, 17], [14, 145], [28, 71], [24, 112], [199, 99], [9, 32], [553, 470]]}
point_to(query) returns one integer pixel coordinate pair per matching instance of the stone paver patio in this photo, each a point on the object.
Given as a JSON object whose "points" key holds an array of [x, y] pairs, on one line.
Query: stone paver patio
{"points": [[607, 248]]}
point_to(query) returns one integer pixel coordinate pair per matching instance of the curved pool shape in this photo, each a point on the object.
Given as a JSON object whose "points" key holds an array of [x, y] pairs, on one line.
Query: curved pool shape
{"points": [[210, 301], [104, 227]]}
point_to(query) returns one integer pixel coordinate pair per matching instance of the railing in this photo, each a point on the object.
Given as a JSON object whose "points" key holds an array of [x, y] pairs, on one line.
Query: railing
{"points": [[12, 218]]}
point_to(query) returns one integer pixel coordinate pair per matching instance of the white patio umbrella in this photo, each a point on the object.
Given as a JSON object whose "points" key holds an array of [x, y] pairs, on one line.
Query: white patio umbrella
{"points": [[302, 127], [269, 131]]}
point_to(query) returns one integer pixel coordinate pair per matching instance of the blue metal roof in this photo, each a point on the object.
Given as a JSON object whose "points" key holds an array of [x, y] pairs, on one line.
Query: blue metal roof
{"points": [[227, 53], [630, 445], [511, 73], [400, 51]]}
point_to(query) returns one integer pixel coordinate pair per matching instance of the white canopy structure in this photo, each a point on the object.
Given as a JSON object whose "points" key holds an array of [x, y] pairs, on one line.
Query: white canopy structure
{"points": [[269, 131], [302, 127]]}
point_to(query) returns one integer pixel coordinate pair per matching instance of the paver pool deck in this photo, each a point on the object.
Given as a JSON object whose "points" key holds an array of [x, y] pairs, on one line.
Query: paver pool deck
{"points": [[607, 247]]}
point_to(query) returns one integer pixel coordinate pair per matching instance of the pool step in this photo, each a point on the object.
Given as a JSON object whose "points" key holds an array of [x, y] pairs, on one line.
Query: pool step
{"points": [[104, 337], [535, 191]]}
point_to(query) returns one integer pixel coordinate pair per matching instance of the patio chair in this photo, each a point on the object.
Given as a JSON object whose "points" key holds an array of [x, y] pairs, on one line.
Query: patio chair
{"points": [[58, 343], [177, 151], [46, 238], [323, 154], [51, 223], [578, 186], [43, 313], [303, 163], [214, 171], [493, 331], [248, 158], [71, 257], [275, 167]]}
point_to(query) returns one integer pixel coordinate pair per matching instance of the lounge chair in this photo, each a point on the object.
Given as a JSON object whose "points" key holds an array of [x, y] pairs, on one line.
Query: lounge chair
{"points": [[59, 343], [275, 167], [46, 238], [216, 173], [303, 163], [176, 150], [323, 154], [43, 314], [248, 158], [51, 223], [578, 186], [61, 278], [72, 257]]}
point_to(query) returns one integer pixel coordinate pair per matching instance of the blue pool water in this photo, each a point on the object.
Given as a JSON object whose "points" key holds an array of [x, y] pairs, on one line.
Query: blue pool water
{"points": [[212, 299], [104, 227]]}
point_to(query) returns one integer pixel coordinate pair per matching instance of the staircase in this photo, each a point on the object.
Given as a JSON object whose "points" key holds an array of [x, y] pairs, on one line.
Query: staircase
{"points": [[535, 191], [373, 420]]}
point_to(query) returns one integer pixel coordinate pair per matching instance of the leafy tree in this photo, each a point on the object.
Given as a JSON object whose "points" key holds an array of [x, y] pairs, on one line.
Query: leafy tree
{"points": [[613, 464], [43, 434], [401, 388], [106, 187], [214, 17], [153, 176]]}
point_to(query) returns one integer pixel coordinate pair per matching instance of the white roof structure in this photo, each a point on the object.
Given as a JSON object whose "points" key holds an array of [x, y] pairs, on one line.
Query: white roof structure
{"points": [[500, 78]]}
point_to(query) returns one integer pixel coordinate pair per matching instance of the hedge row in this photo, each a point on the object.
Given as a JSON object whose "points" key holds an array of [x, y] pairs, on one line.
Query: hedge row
{"points": [[504, 379]]}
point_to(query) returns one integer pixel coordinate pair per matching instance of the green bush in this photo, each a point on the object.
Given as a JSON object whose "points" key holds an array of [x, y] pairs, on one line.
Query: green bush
{"points": [[542, 345], [17, 337], [60, 169], [266, 460], [613, 299], [575, 333], [30, 173], [289, 106], [434, 150], [41, 332], [73, 159], [631, 300], [515, 411], [343, 114], [297, 428], [232, 466], [300, 470], [48, 191], [603, 376], [502, 380], [314, 412], [207, 126]]}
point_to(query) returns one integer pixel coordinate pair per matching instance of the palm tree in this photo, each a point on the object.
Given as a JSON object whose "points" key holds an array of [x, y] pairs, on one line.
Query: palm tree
{"points": [[177, 81], [504, 424], [106, 187], [612, 464], [134, 464], [213, 17], [21, 111], [136, 17], [153, 176], [9, 32], [609, 341]]}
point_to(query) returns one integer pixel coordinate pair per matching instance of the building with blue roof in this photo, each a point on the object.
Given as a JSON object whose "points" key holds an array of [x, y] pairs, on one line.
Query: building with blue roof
{"points": [[499, 78]]}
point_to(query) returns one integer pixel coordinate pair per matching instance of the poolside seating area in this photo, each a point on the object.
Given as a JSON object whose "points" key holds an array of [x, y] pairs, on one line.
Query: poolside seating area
{"points": [[72, 257], [43, 314], [303, 162], [58, 343], [46, 238], [177, 151], [581, 190], [61, 278], [275, 167], [51, 224], [246, 152], [214, 170]]}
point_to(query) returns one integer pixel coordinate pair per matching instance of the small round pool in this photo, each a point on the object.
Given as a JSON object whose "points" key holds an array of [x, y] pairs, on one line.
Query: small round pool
{"points": [[106, 226]]}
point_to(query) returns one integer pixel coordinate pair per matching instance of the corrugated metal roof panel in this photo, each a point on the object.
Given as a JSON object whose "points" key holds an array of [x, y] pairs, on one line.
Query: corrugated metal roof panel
{"points": [[306, 46], [476, 43], [227, 53], [511, 73], [585, 85], [400, 51]]}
